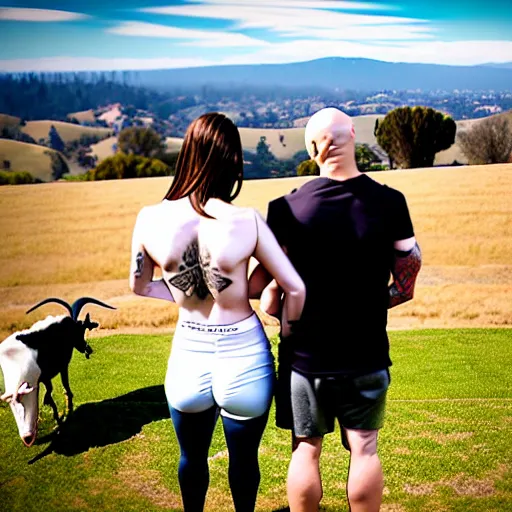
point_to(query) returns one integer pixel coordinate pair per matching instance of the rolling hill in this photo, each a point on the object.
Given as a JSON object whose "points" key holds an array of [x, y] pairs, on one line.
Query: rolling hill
{"points": [[67, 131], [7, 120], [86, 116], [27, 157]]}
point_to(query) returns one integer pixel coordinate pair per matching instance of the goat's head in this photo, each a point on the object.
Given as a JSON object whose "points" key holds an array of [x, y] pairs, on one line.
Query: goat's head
{"points": [[80, 326], [80, 344]]}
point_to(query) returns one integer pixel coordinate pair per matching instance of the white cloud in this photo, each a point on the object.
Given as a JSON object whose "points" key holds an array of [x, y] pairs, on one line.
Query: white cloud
{"points": [[96, 64], [197, 37], [282, 17], [38, 15], [314, 4]]}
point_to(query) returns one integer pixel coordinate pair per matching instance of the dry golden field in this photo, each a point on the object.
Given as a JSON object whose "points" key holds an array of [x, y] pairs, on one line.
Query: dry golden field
{"points": [[73, 239]]}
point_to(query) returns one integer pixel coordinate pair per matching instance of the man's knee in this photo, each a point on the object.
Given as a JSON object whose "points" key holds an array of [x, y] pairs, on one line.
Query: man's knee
{"points": [[362, 442], [307, 447]]}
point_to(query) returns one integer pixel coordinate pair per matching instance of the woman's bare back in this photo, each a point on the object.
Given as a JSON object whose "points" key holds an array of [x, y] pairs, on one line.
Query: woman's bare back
{"points": [[204, 261]]}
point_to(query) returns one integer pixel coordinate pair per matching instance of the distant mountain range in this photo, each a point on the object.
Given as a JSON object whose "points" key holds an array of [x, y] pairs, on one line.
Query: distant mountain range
{"points": [[502, 65], [337, 73]]}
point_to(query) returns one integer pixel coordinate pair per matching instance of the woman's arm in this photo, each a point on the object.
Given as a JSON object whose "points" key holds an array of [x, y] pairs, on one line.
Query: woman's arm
{"points": [[142, 268], [269, 253]]}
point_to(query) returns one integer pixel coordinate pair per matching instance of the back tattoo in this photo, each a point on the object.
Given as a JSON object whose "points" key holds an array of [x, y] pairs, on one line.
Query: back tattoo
{"points": [[196, 275]]}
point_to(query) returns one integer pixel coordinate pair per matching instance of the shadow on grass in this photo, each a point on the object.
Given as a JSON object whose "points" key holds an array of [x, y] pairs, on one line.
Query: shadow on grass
{"points": [[107, 422]]}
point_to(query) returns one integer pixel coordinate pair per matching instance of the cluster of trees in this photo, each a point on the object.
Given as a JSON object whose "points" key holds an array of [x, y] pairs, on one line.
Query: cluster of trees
{"points": [[123, 166], [54, 95], [412, 136], [141, 154]]}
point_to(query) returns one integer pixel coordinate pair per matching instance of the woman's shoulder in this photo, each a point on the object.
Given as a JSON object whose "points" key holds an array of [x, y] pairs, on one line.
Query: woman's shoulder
{"points": [[234, 213], [160, 209]]}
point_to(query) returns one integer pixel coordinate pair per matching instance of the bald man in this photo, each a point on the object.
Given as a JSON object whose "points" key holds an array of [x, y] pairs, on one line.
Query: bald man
{"points": [[347, 236]]}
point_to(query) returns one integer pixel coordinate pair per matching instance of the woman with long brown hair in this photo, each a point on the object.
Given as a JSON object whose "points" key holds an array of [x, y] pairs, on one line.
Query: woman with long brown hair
{"points": [[220, 358]]}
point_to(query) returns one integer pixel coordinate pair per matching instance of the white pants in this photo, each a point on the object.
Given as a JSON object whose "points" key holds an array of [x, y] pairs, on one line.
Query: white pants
{"points": [[228, 365]]}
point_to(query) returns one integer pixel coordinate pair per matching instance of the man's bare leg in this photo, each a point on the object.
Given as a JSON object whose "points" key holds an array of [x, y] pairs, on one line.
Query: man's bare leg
{"points": [[304, 484], [365, 479]]}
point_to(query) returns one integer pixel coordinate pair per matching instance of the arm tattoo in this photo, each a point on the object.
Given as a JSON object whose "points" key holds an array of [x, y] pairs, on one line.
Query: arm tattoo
{"points": [[139, 261], [405, 271], [196, 276]]}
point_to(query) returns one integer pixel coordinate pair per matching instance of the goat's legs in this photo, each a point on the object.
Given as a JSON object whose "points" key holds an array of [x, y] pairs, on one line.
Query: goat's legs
{"points": [[67, 390], [48, 400]]}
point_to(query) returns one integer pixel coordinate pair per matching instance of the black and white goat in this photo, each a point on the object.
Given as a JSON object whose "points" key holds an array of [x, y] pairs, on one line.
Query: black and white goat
{"points": [[37, 355]]}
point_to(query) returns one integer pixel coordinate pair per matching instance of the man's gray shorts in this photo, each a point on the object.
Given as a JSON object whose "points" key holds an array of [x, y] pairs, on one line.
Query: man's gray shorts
{"points": [[358, 402]]}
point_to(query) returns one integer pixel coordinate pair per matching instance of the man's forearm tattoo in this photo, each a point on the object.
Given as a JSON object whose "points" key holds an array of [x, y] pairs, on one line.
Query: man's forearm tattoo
{"points": [[405, 270], [139, 264], [196, 276]]}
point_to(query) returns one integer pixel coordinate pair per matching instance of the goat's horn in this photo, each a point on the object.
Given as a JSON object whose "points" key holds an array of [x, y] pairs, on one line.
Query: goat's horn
{"points": [[81, 302], [52, 299]]}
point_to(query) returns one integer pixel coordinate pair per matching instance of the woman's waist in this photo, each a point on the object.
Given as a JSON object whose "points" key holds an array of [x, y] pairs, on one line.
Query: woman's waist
{"points": [[246, 335], [217, 314]]}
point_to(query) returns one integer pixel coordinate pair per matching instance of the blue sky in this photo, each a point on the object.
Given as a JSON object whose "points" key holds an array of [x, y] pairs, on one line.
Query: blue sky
{"points": [[131, 34]]}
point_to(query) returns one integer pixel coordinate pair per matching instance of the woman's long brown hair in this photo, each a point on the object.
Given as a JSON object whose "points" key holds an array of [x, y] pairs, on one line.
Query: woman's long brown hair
{"points": [[210, 162]]}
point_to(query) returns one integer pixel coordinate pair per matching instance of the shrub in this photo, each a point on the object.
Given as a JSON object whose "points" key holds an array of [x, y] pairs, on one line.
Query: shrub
{"points": [[16, 178], [121, 166], [487, 142], [308, 168]]}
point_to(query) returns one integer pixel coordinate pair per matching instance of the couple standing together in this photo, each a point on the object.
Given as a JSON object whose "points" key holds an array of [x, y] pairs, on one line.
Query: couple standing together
{"points": [[325, 256]]}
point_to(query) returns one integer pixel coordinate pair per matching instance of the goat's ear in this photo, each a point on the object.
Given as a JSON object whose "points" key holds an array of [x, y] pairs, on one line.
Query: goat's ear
{"points": [[88, 324]]}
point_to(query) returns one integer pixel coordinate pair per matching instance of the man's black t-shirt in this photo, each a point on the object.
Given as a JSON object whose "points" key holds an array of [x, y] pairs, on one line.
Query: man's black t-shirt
{"points": [[339, 236]]}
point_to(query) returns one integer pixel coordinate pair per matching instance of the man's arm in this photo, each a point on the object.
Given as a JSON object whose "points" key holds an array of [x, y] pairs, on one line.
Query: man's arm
{"points": [[142, 269], [406, 265], [258, 281]]}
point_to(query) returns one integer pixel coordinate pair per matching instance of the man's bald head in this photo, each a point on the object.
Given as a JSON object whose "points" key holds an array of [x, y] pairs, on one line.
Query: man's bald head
{"points": [[328, 123]]}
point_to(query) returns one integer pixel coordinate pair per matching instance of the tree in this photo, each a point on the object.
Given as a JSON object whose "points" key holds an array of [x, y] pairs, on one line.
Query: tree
{"points": [[308, 168], [264, 161], [487, 142], [139, 141], [412, 136], [59, 165], [56, 142], [365, 157]]}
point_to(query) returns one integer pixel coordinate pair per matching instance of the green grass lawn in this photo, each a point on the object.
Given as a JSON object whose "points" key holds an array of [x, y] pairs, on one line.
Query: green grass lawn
{"points": [[446, 445]]}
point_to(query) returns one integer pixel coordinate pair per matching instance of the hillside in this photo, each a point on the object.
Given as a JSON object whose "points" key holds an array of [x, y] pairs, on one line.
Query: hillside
{"points": [[6, 120], [85, 116], [27, 157], [293, 140], [67, 131]]}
